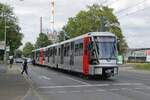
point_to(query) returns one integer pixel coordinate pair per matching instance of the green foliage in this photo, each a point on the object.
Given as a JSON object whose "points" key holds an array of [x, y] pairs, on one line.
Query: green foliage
{"points": [[42, 41], [27, 50], [18, 53], [143, 66], [96, 18], [14, 36]]}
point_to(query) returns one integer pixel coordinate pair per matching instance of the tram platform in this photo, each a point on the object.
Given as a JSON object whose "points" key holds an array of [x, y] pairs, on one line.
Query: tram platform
{"points": [[13, 86]]}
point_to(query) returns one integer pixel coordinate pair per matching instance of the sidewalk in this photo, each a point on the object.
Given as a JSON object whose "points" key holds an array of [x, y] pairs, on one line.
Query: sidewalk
{"points": [[13, 85]]}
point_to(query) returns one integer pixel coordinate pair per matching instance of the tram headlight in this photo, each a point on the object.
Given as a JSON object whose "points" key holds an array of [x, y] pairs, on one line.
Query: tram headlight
{"points": [[98, 70]]}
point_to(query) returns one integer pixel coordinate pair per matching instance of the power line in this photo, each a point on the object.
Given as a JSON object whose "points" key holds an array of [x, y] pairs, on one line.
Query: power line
{"points": [[133, 6], [112, 2], [107, 3], [127, 14]]}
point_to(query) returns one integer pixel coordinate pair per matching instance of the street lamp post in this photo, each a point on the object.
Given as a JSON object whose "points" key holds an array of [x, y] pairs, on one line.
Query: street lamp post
{"points": [[5, 36], [5, 45], [5, 42]]}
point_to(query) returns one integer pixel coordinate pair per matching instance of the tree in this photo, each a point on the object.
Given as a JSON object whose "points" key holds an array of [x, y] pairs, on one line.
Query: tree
{"points": [[18, 53], [96, 18], [27, 50], [13, 34], [42, 41]]}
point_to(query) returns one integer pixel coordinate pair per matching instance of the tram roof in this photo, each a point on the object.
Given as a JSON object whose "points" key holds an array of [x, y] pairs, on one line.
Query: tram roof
{"points": [[89, 34], [79, 37]]}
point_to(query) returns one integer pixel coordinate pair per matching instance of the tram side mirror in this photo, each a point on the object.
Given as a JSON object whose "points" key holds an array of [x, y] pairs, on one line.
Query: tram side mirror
{"points": [[90, 45]]}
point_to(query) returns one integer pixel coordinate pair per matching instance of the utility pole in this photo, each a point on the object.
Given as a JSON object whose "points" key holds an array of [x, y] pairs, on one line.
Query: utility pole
{"points": [[5, 30], [5, 45]]}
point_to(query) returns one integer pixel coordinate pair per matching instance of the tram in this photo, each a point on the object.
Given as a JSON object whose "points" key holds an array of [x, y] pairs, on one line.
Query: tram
{"points": [[94, 53]]}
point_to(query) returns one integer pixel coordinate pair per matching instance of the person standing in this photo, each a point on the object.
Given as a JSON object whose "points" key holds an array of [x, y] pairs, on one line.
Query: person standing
{"points": [[11, 62], [25, 67]]}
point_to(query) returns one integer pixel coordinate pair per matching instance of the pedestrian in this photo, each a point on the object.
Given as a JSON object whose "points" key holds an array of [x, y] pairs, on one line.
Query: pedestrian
{"points": [[11, 62], [25, 67]]}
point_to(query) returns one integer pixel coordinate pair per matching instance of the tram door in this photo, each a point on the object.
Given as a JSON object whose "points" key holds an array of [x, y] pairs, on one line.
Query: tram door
{"points": [[72, 54]]}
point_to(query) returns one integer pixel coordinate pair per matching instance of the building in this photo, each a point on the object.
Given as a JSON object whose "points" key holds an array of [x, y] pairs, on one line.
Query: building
{"points": [[137, 55], [2, 47]]}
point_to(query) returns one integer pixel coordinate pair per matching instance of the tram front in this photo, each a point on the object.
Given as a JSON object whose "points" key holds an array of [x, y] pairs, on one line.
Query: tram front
{"points": [[103, 55]]}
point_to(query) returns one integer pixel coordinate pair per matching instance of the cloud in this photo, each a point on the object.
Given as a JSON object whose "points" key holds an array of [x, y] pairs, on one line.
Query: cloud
{"points": [[135, 26]]}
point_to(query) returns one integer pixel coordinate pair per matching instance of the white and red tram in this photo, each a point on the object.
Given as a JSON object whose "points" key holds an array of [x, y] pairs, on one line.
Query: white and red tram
{"points": [[94, 53]]}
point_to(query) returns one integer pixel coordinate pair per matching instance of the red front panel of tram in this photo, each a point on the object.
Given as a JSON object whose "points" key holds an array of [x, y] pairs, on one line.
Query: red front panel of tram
{"points": [[86, 56], [41, 56]]}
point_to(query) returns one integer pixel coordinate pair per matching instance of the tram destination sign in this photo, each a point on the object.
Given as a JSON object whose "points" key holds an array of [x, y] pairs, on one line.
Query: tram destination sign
{"points": [[104, 39]]}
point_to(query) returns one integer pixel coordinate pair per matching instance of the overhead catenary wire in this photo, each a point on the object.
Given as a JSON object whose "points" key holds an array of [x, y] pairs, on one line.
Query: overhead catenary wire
{"points": [[137, 4], [131, 13], [111, 3], [132, 9]]}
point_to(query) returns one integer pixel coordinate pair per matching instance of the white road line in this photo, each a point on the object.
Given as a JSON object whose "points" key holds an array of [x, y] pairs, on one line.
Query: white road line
{"points": [[27, 94], [101, 90], [88, 85], [61, 92], [139, 88], [126, 84], [44, 77], [85, 83], [88, 91], [124, 88], [50, 92], [114, 89], [71, 86], [75, 91]]}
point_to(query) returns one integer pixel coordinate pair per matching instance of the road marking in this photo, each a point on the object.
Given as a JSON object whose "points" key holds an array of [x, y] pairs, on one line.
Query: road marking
{"points": [[44, 77], [101, 90], [85, 83], [87, 91], [75, 91], [71, 86], [139, 88], [95, 85], [61, 91], [124, 89], [126, 84], [114, 89], [27, 94]]}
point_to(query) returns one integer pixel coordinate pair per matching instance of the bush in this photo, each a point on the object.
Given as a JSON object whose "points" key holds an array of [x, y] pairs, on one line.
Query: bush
{"points": [[145, 66]]}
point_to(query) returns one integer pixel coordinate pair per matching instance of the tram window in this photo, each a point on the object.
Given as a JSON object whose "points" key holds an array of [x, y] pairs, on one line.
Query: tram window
{"points": [[59, 52], [51, 52], [80, 49], [45, 53], [77, 50], [48, 52], [65, 51], [55, 50]]}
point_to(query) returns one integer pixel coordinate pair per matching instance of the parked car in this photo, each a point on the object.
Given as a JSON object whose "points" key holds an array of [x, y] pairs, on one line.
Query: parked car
{"points": [[18, 60]]}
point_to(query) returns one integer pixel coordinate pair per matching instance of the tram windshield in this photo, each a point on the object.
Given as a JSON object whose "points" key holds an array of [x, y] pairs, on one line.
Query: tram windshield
{"points": [[106, 47]]}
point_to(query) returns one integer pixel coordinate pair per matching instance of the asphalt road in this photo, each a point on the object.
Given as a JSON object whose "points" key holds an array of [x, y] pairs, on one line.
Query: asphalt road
{"points": [[53, 85]]}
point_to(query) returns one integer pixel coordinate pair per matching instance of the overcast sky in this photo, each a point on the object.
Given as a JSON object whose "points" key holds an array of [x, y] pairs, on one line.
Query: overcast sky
{"points": [[135, 21]]}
